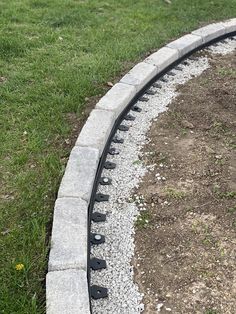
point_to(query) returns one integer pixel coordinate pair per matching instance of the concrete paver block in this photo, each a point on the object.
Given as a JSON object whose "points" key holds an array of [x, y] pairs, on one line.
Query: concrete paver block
{"points": [[210, 32], [117, 98], [139, 75], [69, 235], [230, 25], [80, 173], [186, 43], [96, 129], [163, 58], [67, 292]]}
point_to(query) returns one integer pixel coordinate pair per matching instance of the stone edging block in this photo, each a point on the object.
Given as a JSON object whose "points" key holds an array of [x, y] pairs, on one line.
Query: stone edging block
{"points": [[186, 43], [117, 98], [67, 292], [69, 235], [96, 129], [163, 58], [230, 25], [139, 75], [210, 32], [80, 173]]}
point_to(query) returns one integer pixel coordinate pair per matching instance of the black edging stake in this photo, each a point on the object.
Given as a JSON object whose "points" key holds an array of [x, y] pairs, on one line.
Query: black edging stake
{"points": [[105, 181], [186, 62], [136, 108], [150, 92], [101, 197], [118, 140], [156, 85], [98, 217], [164, 80], [113, 151], [123, 128], [96, 238], [109, 165], [96, 263], [98, 292], [129, 117], [178, 68], [143, 99], [171, 73]]}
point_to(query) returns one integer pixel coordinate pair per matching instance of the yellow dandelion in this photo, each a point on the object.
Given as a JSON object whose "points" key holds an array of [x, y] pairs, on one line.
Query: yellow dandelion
{"points": [[19, 267]]}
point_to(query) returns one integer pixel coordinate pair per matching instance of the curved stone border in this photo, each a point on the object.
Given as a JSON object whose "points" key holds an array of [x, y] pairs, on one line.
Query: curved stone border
{"points": [[66, 283]]}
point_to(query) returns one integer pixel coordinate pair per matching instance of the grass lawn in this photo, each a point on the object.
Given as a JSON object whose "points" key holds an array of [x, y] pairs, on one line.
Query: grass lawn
{"points": [[54, 55]]}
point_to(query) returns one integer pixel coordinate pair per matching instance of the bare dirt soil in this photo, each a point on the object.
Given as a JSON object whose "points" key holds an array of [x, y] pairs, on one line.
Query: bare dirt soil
{"points": [[186, 239]]}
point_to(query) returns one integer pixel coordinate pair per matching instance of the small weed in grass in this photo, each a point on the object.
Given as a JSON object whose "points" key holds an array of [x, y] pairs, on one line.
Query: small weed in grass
{"points": [[232, 209], [176, 194], [211, 312], [204, 81], [184, 132], [143, 220], [230, 143], [222, 252], [208, 240], [176, 115], [162, 158], [227, 72], [219, 127], [216, 188], [233, 146], [207, 274], [223, 195], [220, 162], [228, 195]]}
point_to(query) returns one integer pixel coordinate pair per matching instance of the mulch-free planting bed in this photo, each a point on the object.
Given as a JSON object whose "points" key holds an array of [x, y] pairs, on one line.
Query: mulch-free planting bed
{"points": [[186, 239]]}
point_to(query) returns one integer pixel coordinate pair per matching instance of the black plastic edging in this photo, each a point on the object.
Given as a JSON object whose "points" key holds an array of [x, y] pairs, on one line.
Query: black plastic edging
{"points": [[115, 127]]}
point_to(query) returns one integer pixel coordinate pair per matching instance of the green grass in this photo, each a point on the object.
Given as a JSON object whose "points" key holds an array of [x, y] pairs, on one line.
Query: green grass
{"points": [[231, 194], [143, 220], [53, 56], [211, 312], [174, 193], [232, 209], [227, 72]]}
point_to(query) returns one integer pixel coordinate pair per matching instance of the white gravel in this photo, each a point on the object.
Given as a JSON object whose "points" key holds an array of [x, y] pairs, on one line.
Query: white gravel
{"points": [[224, 47], [118, 250]]}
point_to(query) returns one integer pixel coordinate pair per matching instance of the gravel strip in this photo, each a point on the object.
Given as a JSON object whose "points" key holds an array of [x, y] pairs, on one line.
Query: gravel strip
{"points": [[118, 250], [223, 48]]}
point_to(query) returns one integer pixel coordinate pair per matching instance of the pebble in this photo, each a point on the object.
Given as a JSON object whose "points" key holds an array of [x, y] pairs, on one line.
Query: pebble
{"points": [[187, 124], [159, 306]]}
